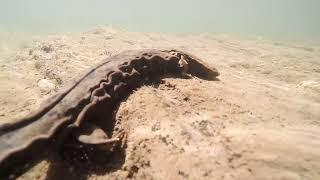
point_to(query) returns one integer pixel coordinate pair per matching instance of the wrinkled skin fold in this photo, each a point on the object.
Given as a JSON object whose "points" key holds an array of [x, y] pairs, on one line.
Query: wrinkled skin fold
{"points": [[95, 91]]}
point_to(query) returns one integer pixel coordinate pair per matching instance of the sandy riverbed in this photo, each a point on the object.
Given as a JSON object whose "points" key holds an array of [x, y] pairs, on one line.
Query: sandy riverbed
{"points": [[260, 121]]}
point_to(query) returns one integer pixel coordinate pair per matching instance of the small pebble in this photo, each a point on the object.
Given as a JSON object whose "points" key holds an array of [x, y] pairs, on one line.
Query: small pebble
{"points": [[46, 86]]}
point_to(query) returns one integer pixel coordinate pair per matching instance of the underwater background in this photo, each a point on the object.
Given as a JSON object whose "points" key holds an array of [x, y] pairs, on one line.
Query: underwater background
{"points": [[280, 20]]}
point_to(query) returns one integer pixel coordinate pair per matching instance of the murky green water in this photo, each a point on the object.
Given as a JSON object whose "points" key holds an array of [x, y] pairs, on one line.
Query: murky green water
{"points": [[288, 20]]}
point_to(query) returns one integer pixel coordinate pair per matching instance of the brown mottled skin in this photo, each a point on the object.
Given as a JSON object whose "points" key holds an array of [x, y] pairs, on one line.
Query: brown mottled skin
{"points": [[94, 92]]}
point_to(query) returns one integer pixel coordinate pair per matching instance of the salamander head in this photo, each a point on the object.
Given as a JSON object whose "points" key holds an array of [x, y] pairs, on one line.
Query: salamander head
{"points": [[195, 66]]}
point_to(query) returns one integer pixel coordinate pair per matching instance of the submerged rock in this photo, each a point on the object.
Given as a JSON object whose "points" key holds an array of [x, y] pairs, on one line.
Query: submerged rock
{"points": [[46, 86], [47, 48]]}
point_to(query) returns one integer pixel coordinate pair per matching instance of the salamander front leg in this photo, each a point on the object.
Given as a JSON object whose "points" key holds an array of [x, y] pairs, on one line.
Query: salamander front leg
{"points": [[91, 134], [90, 145]]}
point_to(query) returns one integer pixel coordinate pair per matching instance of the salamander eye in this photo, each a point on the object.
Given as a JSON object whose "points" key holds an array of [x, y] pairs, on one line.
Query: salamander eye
{"points": [[173, 53]]}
